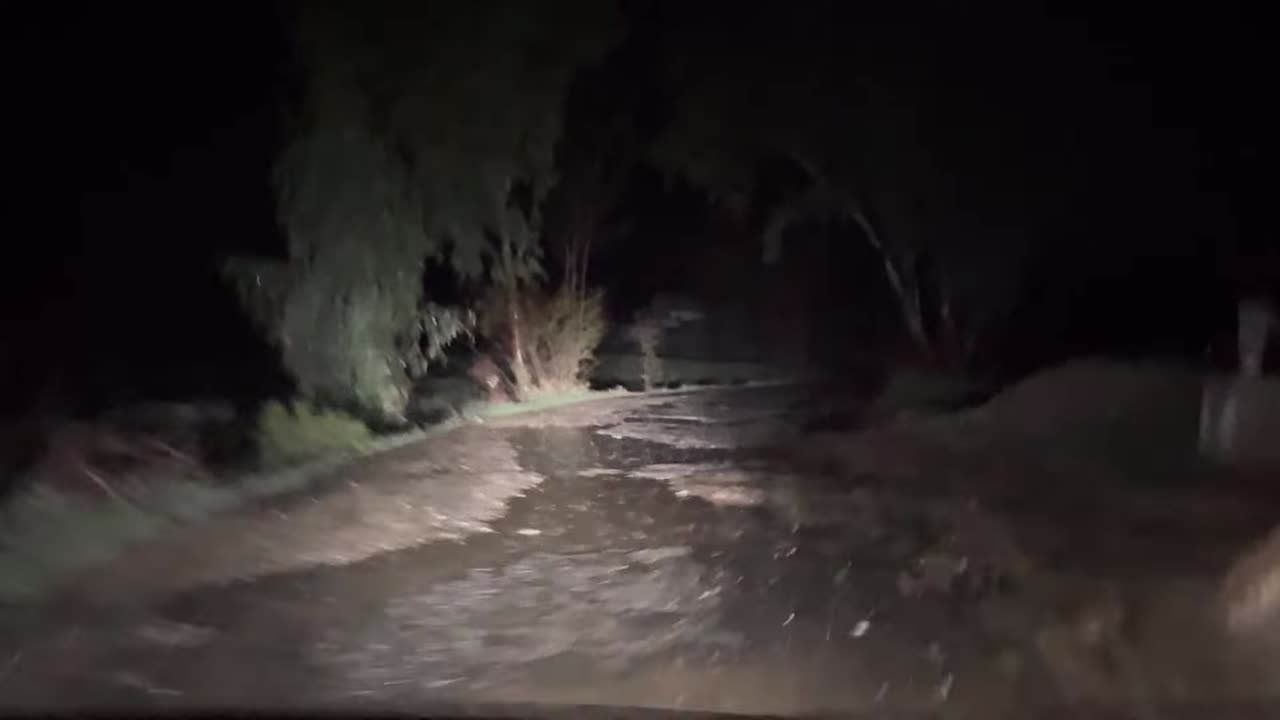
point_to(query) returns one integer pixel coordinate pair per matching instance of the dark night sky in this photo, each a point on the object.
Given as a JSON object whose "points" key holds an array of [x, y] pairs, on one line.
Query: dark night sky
{"points": [[145, 155], [146, 131]]}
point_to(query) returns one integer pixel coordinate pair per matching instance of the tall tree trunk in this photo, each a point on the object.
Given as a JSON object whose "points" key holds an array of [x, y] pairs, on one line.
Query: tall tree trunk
{"points": [[905, 283], [519, 369], [959, 339]]}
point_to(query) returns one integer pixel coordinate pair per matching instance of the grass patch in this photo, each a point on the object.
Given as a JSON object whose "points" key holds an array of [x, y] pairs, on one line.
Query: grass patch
{"points": [[288, 435], [46, 534]]}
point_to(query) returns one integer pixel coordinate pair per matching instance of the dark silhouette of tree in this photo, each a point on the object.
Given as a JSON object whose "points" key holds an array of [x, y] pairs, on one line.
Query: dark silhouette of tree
{"points": [[608, 123], [862, 142]]}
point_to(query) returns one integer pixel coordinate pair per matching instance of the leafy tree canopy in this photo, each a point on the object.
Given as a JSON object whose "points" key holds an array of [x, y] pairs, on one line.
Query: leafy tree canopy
{"points": [[424, 131], [787, 117]]}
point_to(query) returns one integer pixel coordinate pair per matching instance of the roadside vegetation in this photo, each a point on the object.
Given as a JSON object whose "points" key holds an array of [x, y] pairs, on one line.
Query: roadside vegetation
{"points": [[374, 187], [292, 434], [97, 486], [93, 487]]}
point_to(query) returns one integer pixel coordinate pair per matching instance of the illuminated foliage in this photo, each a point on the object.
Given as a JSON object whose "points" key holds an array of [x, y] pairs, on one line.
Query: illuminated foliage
{"points": [[424, 134]]}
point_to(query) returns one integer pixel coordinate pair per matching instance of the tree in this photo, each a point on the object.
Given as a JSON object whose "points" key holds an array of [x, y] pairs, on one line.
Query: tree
{"points": [[608, 123], [784, 119], [424, 134], [343, 307], [480, 118]]}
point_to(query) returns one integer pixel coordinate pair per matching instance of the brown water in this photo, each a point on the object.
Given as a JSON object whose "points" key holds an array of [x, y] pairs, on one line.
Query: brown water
{"points": [[665, 558]]}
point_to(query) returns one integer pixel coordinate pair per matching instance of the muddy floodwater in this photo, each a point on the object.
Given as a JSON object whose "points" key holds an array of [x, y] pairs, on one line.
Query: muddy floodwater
{"points": [[660, 553]]}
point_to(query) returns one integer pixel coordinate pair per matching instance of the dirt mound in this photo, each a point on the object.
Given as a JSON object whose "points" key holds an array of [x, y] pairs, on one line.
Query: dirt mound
{"points": [[1089, 421], [1136, 410]]}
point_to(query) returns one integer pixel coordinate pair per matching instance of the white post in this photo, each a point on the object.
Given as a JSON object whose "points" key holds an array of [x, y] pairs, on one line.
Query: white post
{"points": [[1255, 318], [1220, 405]]}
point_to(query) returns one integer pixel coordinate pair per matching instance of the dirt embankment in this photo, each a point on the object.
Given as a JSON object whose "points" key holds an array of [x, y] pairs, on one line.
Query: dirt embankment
{"points": [[442, 488], [1106, 412], [1085, 488]]}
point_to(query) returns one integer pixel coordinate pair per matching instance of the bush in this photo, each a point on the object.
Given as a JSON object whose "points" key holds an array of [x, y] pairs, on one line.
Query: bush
{"points": [[558, 335], [563, 336], [348, 337], [291, 435]]}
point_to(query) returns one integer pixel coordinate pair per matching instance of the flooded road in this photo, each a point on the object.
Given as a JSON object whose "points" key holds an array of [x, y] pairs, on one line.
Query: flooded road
{"points": [[656, 554]]}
